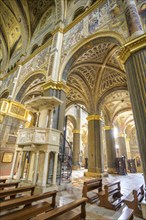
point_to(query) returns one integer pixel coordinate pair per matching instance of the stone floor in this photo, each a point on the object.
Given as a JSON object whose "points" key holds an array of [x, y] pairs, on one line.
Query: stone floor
{"points": [[73, 190]]}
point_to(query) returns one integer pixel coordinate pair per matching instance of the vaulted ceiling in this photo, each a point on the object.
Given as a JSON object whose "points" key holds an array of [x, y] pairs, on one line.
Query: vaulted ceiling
{"points": [[98, 81], [20, 22]]}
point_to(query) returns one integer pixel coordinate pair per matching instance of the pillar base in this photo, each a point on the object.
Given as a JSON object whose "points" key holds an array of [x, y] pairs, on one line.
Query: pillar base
{"points": [[91, 174]]}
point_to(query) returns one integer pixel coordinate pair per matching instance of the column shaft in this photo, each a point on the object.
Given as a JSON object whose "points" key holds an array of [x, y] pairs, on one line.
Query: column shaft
{"points": [[55, 168], [133, 19], [45, 172], [13, 165], [76, 149], [95, 151], [111, 150], [20, 166], [36, 167], [122, 145], [136, 75]]}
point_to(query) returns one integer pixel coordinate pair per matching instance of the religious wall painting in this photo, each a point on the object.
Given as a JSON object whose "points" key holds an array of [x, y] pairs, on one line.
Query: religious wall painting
{"points": [[142, 13], [73, 36], [36, 62]]}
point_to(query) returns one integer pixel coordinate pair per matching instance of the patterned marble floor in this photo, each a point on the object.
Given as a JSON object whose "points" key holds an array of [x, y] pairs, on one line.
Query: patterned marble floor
{"points": [[73, 190]]}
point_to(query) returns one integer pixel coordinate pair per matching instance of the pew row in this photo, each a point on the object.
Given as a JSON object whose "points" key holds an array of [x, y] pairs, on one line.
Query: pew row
{"points": [[65, 212], [94, 185], [12, 193], [27, 201], [111, 197], [6, 185], [133, 202]]}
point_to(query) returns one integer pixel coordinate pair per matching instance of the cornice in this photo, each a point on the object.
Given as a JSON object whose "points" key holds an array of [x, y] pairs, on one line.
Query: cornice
{"points": [[56, 85], [132, 47]]}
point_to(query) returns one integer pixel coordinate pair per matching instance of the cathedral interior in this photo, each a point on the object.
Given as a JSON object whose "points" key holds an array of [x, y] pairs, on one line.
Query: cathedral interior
{"points": [[73, 105]]}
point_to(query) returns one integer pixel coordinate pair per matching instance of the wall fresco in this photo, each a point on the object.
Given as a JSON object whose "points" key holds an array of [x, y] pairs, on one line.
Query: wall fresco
{"points": [[141, 7], [109, 16]]}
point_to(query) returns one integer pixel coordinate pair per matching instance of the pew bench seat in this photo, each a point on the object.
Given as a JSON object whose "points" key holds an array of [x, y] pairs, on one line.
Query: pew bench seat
{"points": [[28, 212], [65, 212]]}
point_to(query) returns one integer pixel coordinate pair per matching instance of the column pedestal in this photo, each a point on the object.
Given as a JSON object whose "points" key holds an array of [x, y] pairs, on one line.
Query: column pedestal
{"points": [[46, 163], [20, 166]]}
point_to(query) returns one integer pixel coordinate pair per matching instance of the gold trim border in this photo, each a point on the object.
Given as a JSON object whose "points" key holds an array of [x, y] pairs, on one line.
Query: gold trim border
{"points": [[108, 127], [76, 131], [56, 85], [94, 117], [131, 47]]}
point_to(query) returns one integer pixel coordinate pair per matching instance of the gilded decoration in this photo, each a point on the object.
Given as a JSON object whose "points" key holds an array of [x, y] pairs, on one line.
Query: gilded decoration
{"points": [[56, 85], [76, 131], [94, 117], [106, 128], [13, 109], [131, 47]]}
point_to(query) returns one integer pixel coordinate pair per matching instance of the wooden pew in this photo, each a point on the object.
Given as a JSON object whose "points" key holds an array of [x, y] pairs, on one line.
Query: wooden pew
{"points": [[65, 212], [90, 185], [12, 193], [127, 214], [3, 180], [133, 202], [28, 200], [28, 212], [111, 197], [6, 185]]}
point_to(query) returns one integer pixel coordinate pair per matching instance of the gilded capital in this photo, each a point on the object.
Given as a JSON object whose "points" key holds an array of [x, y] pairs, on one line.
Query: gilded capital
{"points": [[131, 47], [76, 131], [94, 117], [108, 127], [56, 85]]}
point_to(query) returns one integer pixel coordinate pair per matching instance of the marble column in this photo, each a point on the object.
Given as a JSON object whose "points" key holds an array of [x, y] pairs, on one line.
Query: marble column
{"points": [[13, 164], [132, 18], [55, 168], [36, 167], [121, 140], [19, 172], [43, 118], [45, 171], [133, 55], [111, 149], [128, 148], [76, 149], [95, 151]]}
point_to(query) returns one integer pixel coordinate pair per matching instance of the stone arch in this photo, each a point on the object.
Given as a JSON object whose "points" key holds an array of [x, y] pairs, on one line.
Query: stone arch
{"points": [[82, 47], [4, 94], [27, 82], [72, 119]]}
